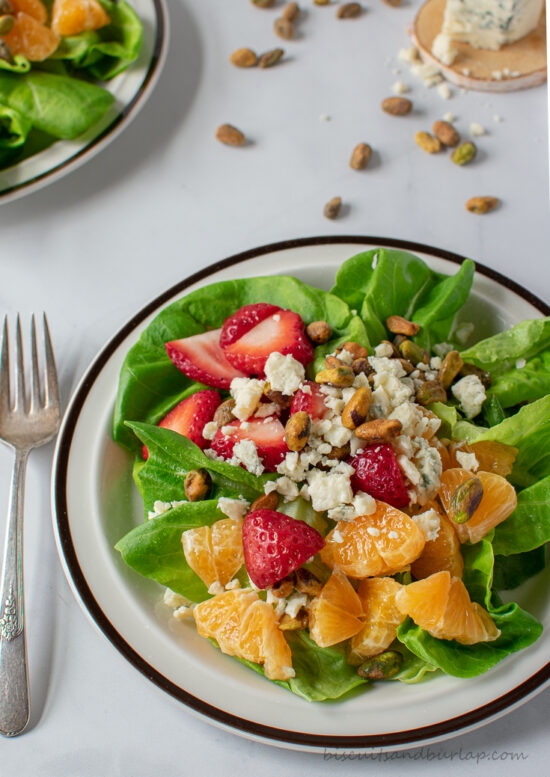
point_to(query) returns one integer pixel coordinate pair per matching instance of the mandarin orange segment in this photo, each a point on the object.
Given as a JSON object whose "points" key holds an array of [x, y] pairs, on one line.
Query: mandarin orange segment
{"points": [[441, 553], [71, 17], [333, 615], [493, 456], [441, 605], [34, 8], [214, 552], [31, 38], [443, 451], [382, 617], [372, 545], [245, 626], [498, 502]]}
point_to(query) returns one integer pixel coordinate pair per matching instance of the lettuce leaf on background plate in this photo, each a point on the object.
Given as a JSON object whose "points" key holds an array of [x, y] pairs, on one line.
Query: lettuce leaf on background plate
{"points": [[384, 282], [150, 385], [518, 628], [106, 52]]}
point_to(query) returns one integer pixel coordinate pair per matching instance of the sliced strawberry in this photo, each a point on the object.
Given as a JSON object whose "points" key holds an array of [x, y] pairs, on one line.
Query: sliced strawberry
{"points": [[282, 332], [201, 358], [377, 473], [275, 545], [190, 415], [313, 404], [244, 319], [268, 434]]}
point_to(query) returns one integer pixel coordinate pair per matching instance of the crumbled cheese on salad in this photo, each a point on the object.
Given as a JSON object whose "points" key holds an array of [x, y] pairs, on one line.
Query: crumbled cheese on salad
{"points": [[245, 452], [284, 373], [467, 461], [470, 392], [209, 430], [159, 508], [233, 508], [429, 522], [247, 393]]}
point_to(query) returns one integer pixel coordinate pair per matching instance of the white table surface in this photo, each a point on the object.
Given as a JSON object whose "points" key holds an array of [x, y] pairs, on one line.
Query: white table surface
{"points": [[164, 200]]}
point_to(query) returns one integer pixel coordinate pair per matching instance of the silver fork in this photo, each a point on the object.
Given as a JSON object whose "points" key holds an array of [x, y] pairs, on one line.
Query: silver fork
{"points": [[25, 424]]}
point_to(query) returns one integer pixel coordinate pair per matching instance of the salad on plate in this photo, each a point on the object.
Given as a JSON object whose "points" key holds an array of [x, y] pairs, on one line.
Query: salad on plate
{"points": [[55, 56], [341, 487]]}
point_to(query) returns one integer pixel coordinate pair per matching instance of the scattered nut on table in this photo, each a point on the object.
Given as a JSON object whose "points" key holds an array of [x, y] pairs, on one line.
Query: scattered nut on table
{"points": [[243, 58], [332, 208], [481, 205], [427, 142], [397, 106], [360, 156]]}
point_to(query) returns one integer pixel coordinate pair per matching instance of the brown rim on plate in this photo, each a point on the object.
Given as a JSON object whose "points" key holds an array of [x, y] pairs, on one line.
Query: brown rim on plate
{"points": [[413, 737]]}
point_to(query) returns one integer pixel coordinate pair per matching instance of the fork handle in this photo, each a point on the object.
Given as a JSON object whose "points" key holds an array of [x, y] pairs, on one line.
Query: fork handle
{"points": [[14, 688]]}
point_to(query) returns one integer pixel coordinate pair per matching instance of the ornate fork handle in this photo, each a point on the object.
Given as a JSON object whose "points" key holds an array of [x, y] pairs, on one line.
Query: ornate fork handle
{"points": [[14, 691]]}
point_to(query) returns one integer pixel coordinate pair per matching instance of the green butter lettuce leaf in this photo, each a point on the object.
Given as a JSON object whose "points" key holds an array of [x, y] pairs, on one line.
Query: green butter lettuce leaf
{"points": [[528, 341], [499, 353], [529, 525], [414, 669], [108, 51], [321, 673], [154, 548], [61, 106], [14, 128], [384, 282], [528, 430], [437, 314], [150, 384], [171, 456], [512, 571], [518, 628], [523, 384], [19, 64]]}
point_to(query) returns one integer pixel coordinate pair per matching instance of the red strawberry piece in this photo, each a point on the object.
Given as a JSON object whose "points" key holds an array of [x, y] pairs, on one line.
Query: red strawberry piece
{"points": [[377, 473], [244, 319], [190, 415], [282, 332], [275, 545], [201, 358], [268, 434], [313, 404]]}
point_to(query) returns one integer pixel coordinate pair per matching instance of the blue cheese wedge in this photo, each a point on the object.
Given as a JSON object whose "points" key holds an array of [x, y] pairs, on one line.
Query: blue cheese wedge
{"points": [[489, 24]]}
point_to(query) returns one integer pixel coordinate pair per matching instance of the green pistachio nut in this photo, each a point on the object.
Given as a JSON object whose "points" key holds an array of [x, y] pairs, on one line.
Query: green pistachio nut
{"points": [[471, 369], [450, 367], [6, 23], [431, 391], [465, 500], [464, 153], [413, 352], [381, 667]]}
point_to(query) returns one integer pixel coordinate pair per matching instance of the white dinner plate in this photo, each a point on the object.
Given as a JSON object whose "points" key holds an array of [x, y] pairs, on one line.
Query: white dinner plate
{"points": [[95, 503], [131, 90]]}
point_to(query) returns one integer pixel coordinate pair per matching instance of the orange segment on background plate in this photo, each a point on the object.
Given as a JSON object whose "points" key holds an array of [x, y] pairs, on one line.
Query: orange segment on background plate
{"points": [[371, 545], [498, 502], [71, 17], [31, 38], [214, 552], [441, 553], [245, 626], [334, 614], [441, 605], [382, 617], [34, 8]]}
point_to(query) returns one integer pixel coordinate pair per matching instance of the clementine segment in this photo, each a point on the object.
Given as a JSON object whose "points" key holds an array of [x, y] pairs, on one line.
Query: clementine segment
{"points": [[493, 456], [34, 8], [441, 605], [31, 38], [382, 617], [498, 502], [372, 545], [441, 553], [71, 17], [245, 626], [214, 552], [334, 614]]}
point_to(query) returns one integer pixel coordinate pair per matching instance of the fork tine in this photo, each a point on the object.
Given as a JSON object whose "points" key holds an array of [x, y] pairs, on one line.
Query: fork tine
{"points": [[51, 392], [5, 401], [19, 367], [35, 375]]}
